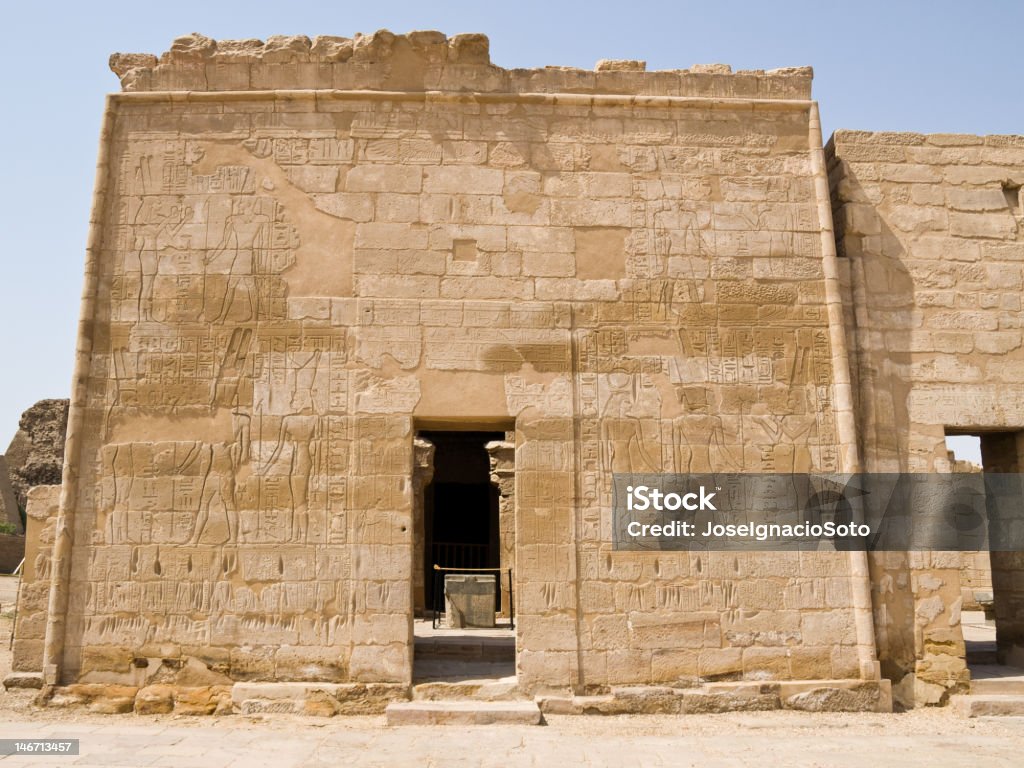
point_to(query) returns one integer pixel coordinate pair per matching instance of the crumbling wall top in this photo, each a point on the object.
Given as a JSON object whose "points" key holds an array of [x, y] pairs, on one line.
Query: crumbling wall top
{"points": [[845, 137], [423, 61]]}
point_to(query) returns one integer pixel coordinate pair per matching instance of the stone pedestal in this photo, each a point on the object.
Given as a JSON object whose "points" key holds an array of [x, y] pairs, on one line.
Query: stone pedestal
{"points": [[469, 600]]}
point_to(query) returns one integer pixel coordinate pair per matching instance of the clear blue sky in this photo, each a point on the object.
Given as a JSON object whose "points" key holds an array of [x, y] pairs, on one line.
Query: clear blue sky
{"points": [[934, 66]]}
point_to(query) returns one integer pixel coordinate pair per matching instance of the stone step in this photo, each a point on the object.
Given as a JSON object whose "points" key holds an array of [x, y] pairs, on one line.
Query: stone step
{"points": [[487, 649], [998, 687], [501, 689], [987, 705], [997, 681], [323, 699], [982, 657], [464, 713], [455, 670]]}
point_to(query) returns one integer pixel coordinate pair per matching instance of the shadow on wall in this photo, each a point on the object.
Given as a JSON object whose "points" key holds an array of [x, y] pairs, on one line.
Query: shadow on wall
{"points": [[884, 300]]}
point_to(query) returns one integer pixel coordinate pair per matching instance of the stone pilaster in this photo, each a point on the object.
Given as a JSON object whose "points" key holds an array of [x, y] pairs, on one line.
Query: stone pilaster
{"points": [[502, 454], [422, 474]]}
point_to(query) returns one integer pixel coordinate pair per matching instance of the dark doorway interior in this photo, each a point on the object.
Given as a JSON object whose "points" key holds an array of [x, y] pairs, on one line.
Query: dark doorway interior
{"points": [[460, 506]]}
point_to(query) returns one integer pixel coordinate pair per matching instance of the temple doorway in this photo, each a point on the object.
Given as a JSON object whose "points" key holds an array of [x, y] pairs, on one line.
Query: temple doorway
{"points": [[464, 552], [460, 509]]}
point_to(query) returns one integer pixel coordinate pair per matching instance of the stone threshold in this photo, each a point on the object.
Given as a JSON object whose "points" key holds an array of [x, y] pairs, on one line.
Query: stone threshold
{"points": [[804, 695]]}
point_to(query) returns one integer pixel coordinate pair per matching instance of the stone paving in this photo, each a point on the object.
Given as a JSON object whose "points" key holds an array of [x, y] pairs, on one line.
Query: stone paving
{"points": [[931, 738]]}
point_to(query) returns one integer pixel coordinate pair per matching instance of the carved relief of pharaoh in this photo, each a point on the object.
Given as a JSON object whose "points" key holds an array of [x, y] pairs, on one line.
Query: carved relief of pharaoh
{"points": [[699, 440], [622, 435], [789, 434], [237, 257], [300, 434], [159, 222]]}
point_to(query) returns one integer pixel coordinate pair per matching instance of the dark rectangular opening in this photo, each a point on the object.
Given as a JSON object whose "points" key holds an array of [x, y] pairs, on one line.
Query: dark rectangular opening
{"points": [[460, 506]]}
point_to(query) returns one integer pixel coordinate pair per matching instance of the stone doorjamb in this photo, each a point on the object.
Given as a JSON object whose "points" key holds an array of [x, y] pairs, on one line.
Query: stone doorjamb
{"points": [[422, 474], [502, 455]]}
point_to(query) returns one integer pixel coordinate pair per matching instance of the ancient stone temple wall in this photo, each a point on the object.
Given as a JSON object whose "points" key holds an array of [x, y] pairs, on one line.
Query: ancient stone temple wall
{"points": [[302, 254], [933, 231]]}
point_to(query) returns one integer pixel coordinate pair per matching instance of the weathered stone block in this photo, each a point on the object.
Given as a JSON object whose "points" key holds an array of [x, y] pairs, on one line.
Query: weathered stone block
{"points": [[155, 700], [862, 699], [464, 713], [983, 200], [1000, 226], [23, 680], [741, 700], [205, 700], [469, 600], [1007, 705], [98, 697], [384, 178]]}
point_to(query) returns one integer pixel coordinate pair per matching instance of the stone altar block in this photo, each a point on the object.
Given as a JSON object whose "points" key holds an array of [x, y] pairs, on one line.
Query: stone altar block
{"points": [[469, 600]]}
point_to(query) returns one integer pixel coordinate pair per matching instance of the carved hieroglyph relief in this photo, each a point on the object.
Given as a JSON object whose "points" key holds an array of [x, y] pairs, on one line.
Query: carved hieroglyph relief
{"points": [[317, 248]]}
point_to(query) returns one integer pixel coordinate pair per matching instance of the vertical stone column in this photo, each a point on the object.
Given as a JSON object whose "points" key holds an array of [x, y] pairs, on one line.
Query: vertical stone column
{"points": [[422, 474], [502, 454]]}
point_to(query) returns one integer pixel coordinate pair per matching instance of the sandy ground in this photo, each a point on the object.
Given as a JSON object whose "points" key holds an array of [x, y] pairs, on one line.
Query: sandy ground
{"points": [[929, 737]]}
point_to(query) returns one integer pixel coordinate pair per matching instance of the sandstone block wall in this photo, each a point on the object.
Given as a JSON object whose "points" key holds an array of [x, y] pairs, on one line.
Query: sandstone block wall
{"points": [[304, 252], [933, 231], [34, 590]]}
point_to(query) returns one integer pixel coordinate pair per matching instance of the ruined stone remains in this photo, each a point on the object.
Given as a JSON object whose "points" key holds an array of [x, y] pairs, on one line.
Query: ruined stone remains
{"points": [[8, 501], [328, 281], [35, 455]]}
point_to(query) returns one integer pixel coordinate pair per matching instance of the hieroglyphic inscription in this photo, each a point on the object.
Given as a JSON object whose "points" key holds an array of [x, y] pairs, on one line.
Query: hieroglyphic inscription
{"points": [[638, 287]]}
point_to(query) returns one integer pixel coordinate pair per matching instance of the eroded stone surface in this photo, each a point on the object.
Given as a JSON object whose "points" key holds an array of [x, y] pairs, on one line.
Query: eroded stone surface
{"points": [[34, 588], [36, 453], [464, 713], [8, 501], [421, 60]]}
